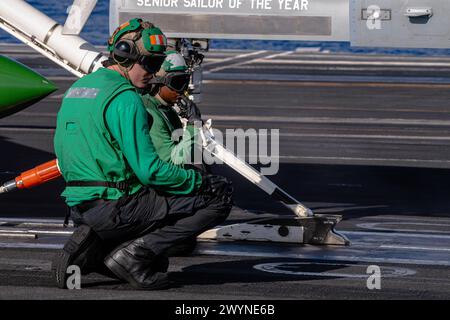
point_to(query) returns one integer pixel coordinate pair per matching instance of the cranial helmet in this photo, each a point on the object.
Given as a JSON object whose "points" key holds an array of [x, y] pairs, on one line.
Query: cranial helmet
{"points": [[135, 39], [174, 72]]}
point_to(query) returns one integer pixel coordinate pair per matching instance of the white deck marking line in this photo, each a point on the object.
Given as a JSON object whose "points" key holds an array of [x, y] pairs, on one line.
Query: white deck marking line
{"points": [[43, 130], [269, 70], [388, 272], [356, 63], [51, 232], [276, 55], [359, 57], [365, 136], [26, 245], [329, 120], [34, 114], [323, 257], [415, 161], [250, 157], [34, 220], [414, 248], [410, 218], [416, 223], [210, 60], [239, 56], [340, 108], [235, 58], [332, 84], [379, 226], [395, 234]]}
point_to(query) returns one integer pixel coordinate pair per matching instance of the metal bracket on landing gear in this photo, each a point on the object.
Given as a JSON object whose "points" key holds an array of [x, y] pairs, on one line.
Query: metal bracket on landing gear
{"points": [[316, 230]]}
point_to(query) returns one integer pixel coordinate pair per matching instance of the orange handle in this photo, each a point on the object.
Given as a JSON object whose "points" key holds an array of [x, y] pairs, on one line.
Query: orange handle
{"points": [[38, 175]]}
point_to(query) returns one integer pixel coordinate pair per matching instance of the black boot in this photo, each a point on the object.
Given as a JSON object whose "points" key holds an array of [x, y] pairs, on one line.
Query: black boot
{"points": [[92, 260], [160, 263], [81, 249], [137, 265]]}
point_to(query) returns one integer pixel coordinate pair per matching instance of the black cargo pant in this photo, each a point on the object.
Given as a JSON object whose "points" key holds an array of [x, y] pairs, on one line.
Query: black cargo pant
{"points": [[162, 221]]}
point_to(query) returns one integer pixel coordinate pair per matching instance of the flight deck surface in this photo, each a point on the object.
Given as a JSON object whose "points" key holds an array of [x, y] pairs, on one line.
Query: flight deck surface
{"points": [[365, 137]]}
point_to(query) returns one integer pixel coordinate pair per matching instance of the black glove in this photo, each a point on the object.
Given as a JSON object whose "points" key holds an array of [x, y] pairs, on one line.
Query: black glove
{"points": [[189, 110], [217, 186]]}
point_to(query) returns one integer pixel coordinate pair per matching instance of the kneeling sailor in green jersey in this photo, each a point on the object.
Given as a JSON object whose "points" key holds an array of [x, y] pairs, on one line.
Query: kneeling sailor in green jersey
{"points": [[172, 143], [127, 204]]}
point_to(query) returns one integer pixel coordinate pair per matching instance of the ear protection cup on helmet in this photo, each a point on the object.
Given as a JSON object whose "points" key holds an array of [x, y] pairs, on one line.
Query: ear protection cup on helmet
{"points": [[125, 52]]}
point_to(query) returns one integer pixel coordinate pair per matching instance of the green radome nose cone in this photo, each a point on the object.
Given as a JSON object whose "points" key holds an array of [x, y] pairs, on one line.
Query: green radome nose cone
{"points": [[20, 87]]}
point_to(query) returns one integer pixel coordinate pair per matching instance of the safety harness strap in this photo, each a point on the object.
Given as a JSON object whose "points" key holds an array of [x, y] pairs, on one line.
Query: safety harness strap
{"points": [[121, 185]]}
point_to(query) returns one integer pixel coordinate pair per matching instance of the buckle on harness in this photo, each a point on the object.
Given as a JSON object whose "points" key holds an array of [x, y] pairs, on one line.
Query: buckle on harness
{"points": [[123, 186]]}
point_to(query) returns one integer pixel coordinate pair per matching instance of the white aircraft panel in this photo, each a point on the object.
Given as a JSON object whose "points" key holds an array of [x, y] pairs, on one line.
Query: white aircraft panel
{"points": [[394, 23], [320, 20]]}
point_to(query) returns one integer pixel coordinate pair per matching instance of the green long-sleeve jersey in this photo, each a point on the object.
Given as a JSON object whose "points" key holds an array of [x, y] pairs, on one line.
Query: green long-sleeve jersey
{"points": [[172, 143]]}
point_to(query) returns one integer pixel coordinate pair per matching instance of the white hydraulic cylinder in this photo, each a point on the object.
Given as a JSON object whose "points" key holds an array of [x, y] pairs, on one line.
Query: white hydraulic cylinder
{"points": [[34, 25], [225, 155]]}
